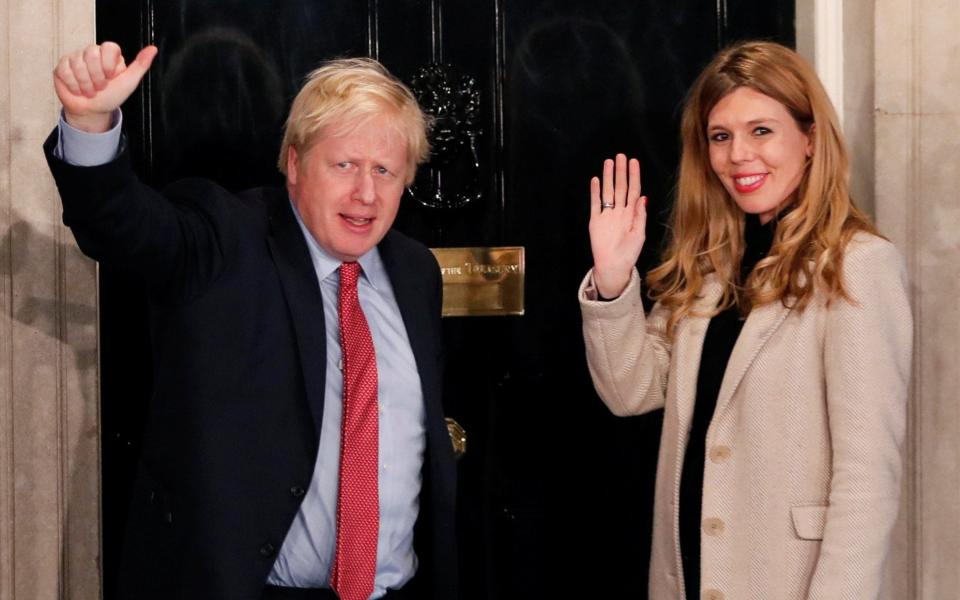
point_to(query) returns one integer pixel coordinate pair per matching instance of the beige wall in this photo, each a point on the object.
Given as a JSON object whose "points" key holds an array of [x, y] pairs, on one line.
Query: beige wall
{"points": [[49, 424], [901, 91], [917, 159]]}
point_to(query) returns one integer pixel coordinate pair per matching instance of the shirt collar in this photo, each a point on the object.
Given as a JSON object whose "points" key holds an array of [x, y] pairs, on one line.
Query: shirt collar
{"points": [[325, 264]]}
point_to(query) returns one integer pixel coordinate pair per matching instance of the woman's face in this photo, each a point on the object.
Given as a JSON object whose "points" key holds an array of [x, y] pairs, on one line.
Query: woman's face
{"points": [[757, 150]]}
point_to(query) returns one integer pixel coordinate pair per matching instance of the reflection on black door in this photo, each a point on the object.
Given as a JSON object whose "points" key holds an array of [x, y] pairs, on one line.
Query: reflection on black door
{"points": [[555, 493]]}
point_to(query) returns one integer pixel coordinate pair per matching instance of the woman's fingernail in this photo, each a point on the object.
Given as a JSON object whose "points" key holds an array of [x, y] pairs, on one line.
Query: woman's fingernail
{"points": [[644, 198]]}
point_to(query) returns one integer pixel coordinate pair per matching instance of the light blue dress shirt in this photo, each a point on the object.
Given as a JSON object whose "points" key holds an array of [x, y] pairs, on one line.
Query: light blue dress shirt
{"points": [[83, 149], [306, 556]]}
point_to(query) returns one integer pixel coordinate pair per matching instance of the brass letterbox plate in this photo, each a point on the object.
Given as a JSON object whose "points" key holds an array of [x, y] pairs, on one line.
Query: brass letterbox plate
{"points": [[481, 281]]}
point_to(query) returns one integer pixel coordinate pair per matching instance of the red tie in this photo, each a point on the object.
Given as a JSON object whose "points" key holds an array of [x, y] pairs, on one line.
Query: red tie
{"points": [[358, 507]]}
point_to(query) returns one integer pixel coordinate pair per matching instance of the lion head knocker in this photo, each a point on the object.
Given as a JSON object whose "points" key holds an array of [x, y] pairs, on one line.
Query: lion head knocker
{"points": [[451, 178]]}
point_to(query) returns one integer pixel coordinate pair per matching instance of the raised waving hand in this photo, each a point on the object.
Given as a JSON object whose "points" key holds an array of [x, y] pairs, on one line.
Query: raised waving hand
{"points": [[618, 220], [93, 82]]}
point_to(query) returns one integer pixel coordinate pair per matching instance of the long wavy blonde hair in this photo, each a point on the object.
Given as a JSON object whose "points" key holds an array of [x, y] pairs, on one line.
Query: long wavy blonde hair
{"points": [[707, 225]]}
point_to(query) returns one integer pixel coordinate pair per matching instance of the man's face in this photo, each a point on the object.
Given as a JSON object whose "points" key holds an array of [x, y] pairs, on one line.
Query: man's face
{"points": [[347, 187]]}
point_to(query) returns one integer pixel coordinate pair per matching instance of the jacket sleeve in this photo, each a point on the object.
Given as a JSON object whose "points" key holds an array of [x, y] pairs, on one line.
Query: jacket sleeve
{"points": [[867, 357], [627, 352], [175, 242]]}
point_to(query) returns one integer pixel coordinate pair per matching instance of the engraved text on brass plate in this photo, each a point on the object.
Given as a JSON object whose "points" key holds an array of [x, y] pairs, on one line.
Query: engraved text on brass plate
{"points": [[481, 281]]}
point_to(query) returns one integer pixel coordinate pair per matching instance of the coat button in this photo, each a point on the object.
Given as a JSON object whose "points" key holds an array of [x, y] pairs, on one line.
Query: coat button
{"points": [[712, 595], [267, 550], [719, 454], [713, 526], [297, 491]]}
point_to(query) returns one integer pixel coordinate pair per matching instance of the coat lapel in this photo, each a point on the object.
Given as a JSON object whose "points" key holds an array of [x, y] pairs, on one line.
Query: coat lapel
{"points": [[762, 322], [302, 292], [688, 350]]}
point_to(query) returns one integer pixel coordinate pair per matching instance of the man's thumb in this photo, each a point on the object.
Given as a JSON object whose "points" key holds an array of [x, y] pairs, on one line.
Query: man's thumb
{"points": [[138, 68]]}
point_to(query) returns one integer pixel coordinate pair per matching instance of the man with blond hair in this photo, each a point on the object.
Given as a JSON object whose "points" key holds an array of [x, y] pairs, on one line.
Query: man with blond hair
{"points": [[295, 445]]}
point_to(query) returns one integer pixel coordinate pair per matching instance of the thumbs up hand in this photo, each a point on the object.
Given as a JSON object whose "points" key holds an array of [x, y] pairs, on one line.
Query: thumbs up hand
{"points": [[92, 83]]}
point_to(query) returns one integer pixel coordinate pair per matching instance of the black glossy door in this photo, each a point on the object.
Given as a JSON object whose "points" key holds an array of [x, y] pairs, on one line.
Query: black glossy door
{"points": [[555, 493]]}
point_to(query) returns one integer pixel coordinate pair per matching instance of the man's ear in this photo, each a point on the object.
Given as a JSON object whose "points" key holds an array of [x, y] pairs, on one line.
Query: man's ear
{"points": [[293, 164]]}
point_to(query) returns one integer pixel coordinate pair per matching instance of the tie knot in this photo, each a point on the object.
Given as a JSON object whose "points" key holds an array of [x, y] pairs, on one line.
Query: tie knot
{"points": [[349, 273]]}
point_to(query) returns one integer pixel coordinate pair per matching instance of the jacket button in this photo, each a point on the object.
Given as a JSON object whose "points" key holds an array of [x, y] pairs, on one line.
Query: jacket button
{"points": [[713, 526], [712, 595], [297, 491], [719, 454], [267, 550]]}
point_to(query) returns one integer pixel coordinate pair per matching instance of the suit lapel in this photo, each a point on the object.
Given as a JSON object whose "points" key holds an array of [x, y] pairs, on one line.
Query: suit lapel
{"points": [[420, 312], [302, 292], [415, 306], [413, 302]]}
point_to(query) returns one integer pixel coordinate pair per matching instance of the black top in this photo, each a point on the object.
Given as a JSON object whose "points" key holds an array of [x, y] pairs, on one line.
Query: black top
{"points": [[718, 344]]}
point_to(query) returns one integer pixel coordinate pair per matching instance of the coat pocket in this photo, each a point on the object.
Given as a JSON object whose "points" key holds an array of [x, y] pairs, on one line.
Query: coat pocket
{"points": [[809, 520]]}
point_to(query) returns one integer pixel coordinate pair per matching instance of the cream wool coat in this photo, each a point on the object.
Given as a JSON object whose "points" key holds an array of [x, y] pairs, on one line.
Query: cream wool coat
{"points": [[802, 477]]}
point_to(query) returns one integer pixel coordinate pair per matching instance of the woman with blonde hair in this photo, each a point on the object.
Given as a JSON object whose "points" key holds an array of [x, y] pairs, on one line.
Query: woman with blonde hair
{"points": [[779, 344]]}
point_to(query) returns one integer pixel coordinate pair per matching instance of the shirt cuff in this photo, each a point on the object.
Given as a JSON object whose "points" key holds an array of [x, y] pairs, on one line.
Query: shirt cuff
{"points": [[82, 149]]}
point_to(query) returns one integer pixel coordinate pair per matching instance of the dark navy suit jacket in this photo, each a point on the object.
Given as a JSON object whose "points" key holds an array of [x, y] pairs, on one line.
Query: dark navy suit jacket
{"points": [[239, 367]]}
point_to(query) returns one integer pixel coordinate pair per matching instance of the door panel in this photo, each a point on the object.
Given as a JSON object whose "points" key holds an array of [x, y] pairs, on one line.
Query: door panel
{"points": [[555, 493]]}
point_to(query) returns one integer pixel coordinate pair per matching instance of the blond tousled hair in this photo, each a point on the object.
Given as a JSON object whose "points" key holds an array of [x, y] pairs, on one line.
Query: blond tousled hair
{"points": [[707, 225], [343, 94]]}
